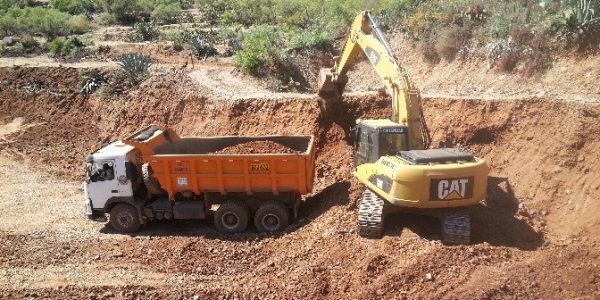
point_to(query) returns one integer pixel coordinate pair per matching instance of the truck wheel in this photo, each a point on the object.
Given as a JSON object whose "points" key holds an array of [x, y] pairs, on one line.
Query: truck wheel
{"points": [[232, 217], [151, 183], [124, 218], [271, 216]]}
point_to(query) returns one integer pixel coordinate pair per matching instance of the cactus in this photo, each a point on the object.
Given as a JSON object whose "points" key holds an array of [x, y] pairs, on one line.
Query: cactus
{"points": [[147, 31], [135, 64], [201, 48], [92, 81]]}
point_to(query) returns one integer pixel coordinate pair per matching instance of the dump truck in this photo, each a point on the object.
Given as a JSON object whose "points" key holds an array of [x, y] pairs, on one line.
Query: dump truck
{"points": [[154, 174], [391, 156]]}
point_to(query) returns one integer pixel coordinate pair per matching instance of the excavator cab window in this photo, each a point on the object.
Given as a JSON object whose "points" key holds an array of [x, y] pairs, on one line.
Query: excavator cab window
{"points": [[363, 145], [390, 143]]}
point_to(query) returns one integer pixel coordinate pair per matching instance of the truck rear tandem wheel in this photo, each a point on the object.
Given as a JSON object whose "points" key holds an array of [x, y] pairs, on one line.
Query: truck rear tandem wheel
{"points": [[456, 227], [371, 215], [271, 216], [232, 217]]}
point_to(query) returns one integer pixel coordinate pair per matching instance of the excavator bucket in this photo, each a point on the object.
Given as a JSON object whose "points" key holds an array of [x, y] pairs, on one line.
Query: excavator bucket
{"points": [[328, 90], [325, 85]]}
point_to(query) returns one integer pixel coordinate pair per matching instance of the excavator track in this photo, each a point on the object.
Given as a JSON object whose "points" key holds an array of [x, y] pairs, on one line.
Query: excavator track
{"points": [[456, 227], [371, 215]]}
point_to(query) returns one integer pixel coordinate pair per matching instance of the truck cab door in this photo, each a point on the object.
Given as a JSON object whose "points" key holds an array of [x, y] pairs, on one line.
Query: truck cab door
{"points": [[102, 182]]}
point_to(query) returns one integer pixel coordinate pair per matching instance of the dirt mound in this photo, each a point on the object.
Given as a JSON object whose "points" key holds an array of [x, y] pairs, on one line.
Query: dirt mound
{"points": [[258, 147], [534, 236]]}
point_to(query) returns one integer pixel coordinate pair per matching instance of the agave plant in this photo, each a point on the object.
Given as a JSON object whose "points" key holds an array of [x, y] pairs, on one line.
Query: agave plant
{"points": [[135, 64], [201, 48], [582, 15], [92, 82]]}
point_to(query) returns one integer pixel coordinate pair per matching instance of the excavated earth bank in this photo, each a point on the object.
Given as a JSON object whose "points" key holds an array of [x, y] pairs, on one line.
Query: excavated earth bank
{"points": [[536, 235]]}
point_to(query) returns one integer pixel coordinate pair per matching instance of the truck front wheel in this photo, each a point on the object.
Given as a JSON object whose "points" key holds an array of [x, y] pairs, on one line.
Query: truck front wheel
{"points": [[232, 217], [272, 216], [124, 218]]}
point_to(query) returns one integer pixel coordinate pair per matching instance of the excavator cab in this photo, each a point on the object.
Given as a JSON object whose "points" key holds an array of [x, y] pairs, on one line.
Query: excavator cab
{"points": [[376, 138]]}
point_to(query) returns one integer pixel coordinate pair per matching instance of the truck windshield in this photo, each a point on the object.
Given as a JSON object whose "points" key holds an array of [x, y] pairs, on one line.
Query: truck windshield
{"points": [[100, 171], [391, 143]]}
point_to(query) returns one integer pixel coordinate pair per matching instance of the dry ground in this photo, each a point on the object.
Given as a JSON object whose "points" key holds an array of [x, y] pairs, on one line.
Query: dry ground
{"points": [[534, 237]]}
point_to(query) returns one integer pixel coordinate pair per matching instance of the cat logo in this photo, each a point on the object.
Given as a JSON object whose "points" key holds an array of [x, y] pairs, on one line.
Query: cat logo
{"points": [[259, 167], [451, 188], [372, 55]]}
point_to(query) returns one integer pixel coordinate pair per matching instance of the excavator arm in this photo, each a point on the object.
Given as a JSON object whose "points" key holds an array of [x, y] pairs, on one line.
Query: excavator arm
{"points": [[365, 35]]}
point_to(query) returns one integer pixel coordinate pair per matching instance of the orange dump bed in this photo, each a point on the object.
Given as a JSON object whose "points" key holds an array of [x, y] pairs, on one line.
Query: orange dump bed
{"points": [[195, 164]]}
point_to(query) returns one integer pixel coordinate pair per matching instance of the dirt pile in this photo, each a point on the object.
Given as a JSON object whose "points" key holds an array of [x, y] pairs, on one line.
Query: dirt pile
{"points": [[258, 147], [534, 236]]}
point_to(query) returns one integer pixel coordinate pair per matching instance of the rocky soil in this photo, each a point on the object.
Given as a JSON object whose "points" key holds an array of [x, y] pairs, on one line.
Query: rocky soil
{"points": [[535, 236], [258, 147]]}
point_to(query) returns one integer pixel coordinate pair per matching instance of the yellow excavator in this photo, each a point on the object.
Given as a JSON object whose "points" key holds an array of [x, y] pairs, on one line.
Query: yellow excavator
{"points": [[390, 155]]}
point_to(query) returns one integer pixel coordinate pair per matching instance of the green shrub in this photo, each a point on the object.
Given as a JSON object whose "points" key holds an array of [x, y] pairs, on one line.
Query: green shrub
{"points": [[393, 11], [424, 20], [315, 37], [173, 34], [167, 13], [260, 48], [213, 10], [62, 47], [38, 20], [147, 31], [6, 4], [29, 43], [106, 18], [25, 46], [76, 7], [232, 38], [79, 24], [56, 45], [201, 48], [134, 65], [123, 11], [500, 26]]}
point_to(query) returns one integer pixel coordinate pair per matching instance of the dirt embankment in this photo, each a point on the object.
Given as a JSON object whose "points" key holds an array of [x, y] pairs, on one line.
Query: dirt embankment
{"points": [[534, 236]]}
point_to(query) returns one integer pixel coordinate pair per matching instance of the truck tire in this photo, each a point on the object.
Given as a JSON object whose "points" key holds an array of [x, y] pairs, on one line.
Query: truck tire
{"points": [[232, 217], [151, 183], [124, 218], [271, 216]]}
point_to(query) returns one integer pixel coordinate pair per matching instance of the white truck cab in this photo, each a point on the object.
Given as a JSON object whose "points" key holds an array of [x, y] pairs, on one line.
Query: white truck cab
{"points": [[108, 176]]}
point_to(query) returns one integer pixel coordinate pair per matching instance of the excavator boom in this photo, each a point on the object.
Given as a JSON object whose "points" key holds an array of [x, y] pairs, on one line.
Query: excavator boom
{"points": [[365, 35]]}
